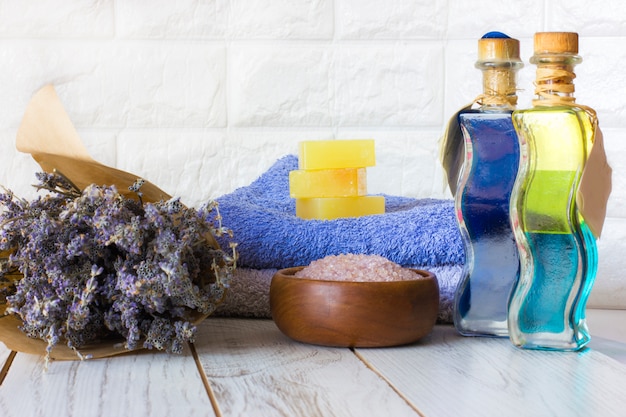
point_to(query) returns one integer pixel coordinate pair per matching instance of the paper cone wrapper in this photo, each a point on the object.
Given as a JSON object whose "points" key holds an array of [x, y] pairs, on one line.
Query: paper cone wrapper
{"points": [[47, 133]]}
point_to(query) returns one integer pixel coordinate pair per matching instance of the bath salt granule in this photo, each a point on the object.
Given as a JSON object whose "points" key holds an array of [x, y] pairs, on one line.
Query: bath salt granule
{"points": [[356, 267]]}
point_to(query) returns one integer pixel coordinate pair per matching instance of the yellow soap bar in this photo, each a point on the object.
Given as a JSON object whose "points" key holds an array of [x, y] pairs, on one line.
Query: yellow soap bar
{"points": [[337, 207], [333, 154], [350, 182]]}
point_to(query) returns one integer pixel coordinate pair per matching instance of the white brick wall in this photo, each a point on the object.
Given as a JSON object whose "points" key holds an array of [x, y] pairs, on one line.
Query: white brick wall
{"points": [[202, 96]]}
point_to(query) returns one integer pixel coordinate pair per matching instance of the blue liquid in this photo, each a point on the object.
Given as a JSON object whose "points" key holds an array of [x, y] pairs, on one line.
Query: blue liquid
{"points": [[590, 268], [482, 200], [555, 271]]}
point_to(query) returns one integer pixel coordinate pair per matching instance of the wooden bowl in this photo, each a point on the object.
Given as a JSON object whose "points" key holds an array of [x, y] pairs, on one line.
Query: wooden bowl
{"points": [[354, 314]]}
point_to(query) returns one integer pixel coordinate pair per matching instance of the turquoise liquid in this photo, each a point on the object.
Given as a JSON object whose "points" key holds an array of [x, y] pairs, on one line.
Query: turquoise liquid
{"points": [[554, 267], [589, 277], [482, 200]]}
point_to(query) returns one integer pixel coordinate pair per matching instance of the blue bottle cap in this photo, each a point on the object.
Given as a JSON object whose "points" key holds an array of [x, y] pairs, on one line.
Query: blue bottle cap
{"points": [[495, 35]]}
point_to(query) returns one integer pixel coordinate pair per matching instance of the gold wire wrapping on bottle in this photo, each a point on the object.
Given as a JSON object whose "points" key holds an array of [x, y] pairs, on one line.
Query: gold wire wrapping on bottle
{"points": [[496, 100], [499, 89], [555, 87]]}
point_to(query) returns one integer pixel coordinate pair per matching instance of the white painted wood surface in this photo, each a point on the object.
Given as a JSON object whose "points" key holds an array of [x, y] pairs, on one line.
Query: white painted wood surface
{"points": [[254, 370], [450, 375], [135, 385]]}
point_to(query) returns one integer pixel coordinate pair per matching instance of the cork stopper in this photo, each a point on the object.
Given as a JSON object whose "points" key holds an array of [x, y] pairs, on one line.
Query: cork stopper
{"points": [[556, 43], [496, 46]]}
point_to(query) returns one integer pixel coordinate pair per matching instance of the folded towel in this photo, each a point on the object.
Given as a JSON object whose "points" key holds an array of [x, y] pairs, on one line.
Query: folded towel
{"points": [[249, 295], [412, 232]]}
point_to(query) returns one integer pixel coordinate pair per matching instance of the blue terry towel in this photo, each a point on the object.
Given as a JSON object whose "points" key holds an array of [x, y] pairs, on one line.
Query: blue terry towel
{"points": [[412, 232]]}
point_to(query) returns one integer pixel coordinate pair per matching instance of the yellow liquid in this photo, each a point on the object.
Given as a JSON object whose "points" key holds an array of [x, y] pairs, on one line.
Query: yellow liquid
{"points": [[556, 141]]}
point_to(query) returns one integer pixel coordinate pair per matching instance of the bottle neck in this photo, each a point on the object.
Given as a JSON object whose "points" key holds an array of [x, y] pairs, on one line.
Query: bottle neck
{"points": [[554, 84], [499, 86]]}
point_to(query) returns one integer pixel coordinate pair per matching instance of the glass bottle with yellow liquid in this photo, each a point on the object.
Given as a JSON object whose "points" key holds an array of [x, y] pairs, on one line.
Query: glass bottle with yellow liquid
{"points": [[490, 163], [558, 254]]}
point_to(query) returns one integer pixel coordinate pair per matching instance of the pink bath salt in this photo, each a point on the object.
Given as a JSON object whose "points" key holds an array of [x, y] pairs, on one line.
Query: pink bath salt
{"points": [[352, 267]]}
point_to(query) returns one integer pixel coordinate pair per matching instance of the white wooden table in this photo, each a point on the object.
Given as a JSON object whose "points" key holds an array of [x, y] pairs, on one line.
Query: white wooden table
{"points": [[241, 367]]}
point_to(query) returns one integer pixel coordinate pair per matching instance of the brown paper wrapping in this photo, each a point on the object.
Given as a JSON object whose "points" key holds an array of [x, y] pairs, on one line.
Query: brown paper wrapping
{"points": [[452, 150], [47, 133], [595, 186]]}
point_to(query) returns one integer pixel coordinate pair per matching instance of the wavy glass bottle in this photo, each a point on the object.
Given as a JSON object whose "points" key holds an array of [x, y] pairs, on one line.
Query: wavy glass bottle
{"points": [[484, 188], [558, 252]]}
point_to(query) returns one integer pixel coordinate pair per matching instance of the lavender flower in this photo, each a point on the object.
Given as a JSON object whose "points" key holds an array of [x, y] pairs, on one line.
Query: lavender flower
{"points": [[95, 263]]}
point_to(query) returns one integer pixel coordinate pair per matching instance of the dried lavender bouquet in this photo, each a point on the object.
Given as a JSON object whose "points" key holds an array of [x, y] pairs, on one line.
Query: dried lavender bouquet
{"points": [[95, 265]]}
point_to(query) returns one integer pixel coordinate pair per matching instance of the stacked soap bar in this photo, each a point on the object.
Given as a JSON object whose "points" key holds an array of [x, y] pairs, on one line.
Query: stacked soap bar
{"points": [[331, 181]]}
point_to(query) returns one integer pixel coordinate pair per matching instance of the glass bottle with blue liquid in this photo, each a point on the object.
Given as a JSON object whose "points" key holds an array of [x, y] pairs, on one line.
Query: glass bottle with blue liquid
{"points": [[483, 192], [558, 251]]}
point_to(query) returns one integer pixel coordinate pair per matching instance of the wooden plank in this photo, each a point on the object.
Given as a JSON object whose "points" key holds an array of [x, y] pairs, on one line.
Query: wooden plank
{"points": [[143, 384], [254, 370], [5, 363], [4, 354], [449, 375]]}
